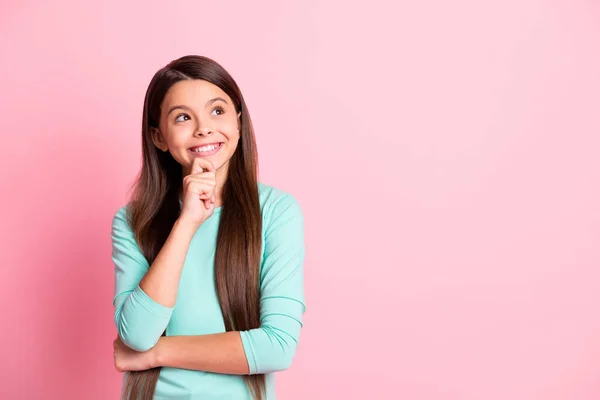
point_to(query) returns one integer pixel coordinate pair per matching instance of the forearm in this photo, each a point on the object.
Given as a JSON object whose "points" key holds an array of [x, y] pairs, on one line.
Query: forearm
{"points": [[221, 353], [257, 351], [161, 282]]}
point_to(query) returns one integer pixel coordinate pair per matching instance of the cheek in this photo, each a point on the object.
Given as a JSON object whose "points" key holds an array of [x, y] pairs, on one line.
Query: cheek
{"points": [[234, 139], [178, 137], [230, 131]]}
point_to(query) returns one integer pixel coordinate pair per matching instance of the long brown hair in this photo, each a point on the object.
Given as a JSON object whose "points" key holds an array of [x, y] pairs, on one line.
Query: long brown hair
{"points": [[154, 208]]}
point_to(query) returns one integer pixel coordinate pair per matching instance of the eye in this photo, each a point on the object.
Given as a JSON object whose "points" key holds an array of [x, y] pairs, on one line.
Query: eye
{"points": [[219, 109], [178, 118]]}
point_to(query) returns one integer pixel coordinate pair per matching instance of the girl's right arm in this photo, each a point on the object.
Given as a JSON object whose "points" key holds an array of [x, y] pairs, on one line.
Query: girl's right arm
{"points": [[145, 295]]}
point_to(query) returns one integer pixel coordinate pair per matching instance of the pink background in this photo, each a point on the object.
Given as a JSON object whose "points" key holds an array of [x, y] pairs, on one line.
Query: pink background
{"points": [[446, 155]]}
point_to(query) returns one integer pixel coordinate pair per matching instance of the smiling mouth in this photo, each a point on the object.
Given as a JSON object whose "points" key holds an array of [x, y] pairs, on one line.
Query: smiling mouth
{"points": [[206, 150]]}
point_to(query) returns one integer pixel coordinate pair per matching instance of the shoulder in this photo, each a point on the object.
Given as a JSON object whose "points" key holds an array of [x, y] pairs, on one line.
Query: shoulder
{"points": [[279, 207], [120, 215], [274, 200], [120, 222]]}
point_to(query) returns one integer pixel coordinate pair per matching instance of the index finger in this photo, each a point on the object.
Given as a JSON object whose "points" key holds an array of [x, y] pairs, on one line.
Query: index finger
{"points": [[201, 164]]}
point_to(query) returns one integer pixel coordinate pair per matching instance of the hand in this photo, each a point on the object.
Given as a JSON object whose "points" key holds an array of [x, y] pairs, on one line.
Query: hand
{"points": [[199, 191], [127, 359]]}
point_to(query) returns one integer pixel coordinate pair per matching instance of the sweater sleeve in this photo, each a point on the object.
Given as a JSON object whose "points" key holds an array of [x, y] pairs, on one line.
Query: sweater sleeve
{"points": [[140, 320], [272, 347]]}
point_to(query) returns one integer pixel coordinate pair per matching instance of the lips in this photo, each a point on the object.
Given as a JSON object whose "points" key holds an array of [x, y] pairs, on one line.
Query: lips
{"points": [[206, 149]]}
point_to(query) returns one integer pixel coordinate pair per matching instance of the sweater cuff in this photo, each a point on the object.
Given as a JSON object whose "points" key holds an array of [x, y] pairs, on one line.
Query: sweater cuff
{"points": [[249, 350]]}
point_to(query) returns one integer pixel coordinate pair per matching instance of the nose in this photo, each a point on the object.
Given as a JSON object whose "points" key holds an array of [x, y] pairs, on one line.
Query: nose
{"points": [[203, 129]]}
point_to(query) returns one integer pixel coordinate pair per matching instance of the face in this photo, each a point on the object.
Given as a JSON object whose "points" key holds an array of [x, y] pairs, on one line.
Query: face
{"points": [[198, 119]]}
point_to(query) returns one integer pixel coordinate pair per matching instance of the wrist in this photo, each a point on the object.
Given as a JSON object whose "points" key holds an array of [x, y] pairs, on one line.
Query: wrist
{"points": [[185, 226]]}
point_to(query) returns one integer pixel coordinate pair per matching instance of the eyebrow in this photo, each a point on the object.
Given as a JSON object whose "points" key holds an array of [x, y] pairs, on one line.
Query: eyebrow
{"points": [[208, 103]]}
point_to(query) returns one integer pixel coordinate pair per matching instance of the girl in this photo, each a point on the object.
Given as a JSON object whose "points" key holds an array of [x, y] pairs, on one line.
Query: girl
{"points": [[209, 291]]}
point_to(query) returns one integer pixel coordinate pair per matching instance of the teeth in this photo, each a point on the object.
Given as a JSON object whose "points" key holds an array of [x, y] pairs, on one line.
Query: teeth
{"points": [[205, 148]]}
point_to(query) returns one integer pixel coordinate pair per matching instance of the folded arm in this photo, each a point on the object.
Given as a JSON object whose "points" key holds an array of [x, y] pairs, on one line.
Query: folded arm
{"points": [[272, 346], [145, 295]]}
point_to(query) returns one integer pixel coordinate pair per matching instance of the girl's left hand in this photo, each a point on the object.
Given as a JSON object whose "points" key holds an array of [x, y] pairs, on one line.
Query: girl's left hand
{"points": [[127, 359]]}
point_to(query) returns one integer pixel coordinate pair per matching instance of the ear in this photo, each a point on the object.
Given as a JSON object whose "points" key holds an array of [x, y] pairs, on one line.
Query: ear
{"points": [[159, 140]]}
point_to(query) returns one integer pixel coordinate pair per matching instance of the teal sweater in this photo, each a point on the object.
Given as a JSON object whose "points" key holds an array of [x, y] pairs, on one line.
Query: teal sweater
{"points": [[140, 321]]}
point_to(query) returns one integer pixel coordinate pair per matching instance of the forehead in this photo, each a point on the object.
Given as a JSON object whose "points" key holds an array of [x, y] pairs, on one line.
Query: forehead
{"points": [[193, 93]]}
